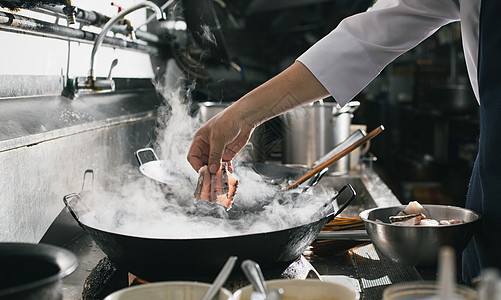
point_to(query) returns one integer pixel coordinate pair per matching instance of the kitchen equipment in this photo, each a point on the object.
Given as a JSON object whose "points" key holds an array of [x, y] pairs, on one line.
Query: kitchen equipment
{"points": [[156, 259], [303, 290], [425, 290], [253, 273], [418, 245], [158, 170], [447, 273], [207, 110], [336, 157], [221, 278], [313, 130], [355, 136], [171, 290], [34, 271]]}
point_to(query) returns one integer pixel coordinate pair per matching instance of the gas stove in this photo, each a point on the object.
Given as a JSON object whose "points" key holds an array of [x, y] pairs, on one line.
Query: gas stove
{"points": [[106, 277], [97, 276]]}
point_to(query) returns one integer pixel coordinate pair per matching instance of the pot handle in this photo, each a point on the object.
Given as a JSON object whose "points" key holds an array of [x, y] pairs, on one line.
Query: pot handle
{"points": [[67, 199], [138, 157], [353, 194], [349, 108]]}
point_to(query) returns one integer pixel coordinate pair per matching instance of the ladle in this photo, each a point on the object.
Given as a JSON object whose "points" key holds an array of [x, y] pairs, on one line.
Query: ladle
{"points": [[220, 278], [253, 272]]}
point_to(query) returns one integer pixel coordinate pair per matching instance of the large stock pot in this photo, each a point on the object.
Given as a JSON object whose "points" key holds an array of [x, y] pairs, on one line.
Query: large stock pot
{"points": [[312, 130]]}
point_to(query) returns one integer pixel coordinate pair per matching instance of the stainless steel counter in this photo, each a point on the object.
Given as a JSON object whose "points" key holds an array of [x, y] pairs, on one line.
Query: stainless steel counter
{"points": [[47, 142]]}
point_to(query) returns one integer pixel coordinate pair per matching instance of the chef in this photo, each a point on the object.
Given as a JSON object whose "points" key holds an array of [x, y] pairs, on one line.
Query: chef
{"points": [[347, 59]]}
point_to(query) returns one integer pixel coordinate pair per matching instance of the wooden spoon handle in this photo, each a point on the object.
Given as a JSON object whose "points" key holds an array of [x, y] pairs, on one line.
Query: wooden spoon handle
{"points": [[336, 157]]}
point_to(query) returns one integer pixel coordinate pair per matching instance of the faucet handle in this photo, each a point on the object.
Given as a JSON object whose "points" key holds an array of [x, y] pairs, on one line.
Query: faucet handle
{"points": [[114, 63]]}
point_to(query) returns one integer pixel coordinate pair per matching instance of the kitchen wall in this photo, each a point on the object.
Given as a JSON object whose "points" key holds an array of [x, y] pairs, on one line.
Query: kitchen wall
{"points": [[24, 54], [47, 141]]}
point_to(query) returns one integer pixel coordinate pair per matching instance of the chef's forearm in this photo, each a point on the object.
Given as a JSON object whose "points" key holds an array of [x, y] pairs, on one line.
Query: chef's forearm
{"points": [[293, 87]]}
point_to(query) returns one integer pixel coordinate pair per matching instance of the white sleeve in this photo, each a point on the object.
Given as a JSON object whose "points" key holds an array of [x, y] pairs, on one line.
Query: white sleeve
{"points": [[354, 53]]}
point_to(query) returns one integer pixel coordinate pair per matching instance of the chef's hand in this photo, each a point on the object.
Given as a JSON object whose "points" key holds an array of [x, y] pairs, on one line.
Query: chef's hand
{"points": [[220, 139], [223, 136]]}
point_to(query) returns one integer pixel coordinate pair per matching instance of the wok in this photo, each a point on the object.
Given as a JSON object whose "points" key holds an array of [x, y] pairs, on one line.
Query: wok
{"points": [[156, 259], [34, 271], [419, 245]]}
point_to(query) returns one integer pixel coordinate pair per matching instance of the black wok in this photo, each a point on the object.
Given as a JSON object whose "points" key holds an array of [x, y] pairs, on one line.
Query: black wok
{"points": [[34, 271], [156, 259]]}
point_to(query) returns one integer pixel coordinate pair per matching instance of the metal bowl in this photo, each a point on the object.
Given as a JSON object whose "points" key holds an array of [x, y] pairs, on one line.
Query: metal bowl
{"points": [[298, 289], [418, 245], [168, 290]]}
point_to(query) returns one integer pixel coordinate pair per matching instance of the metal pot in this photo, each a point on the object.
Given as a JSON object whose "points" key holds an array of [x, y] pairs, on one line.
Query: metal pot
{"points": [[156, 259], [418, 245], [34, 271], [311, 131], [207, 110]]}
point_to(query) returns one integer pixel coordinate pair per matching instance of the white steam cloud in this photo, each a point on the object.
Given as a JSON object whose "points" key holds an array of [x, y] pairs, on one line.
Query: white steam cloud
{"points": [[136, 205]]}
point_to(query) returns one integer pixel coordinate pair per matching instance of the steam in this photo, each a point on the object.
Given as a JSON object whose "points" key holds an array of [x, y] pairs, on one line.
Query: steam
{"points": [[135, 205]]}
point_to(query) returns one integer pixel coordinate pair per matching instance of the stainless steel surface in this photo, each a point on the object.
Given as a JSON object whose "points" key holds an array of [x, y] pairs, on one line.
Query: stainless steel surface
{"points": [[351, 139], [207, 110], [418, 245], [313, 130], [348, 235], [371, 191], [47, 142]]}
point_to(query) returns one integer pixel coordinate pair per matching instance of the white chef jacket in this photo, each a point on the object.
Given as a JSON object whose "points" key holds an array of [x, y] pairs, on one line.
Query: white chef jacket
{"points": [[354, 53]]}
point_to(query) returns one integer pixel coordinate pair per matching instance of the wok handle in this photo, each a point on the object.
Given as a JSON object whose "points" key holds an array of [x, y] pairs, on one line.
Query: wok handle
{"points": [[66, 200], [138, 157], [353, 194]]}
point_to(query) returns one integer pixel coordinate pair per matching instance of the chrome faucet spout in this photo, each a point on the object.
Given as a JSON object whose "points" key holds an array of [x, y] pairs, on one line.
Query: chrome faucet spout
{"points": [[106, 28]]}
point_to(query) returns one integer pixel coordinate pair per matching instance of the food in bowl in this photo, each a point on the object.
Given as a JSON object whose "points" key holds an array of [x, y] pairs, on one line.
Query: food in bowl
{"points": [[415, 214], [418, 245], [308, 289]]}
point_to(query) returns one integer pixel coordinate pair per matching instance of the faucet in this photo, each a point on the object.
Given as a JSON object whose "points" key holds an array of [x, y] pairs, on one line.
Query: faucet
{"points": [[90, 82]]}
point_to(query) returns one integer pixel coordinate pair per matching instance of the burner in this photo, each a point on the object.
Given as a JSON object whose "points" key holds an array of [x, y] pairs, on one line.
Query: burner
{"points": [[106, 277]]}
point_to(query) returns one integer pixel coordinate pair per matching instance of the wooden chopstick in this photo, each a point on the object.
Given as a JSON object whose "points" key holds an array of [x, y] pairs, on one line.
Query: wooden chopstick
{"points": [[336, 157]]}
